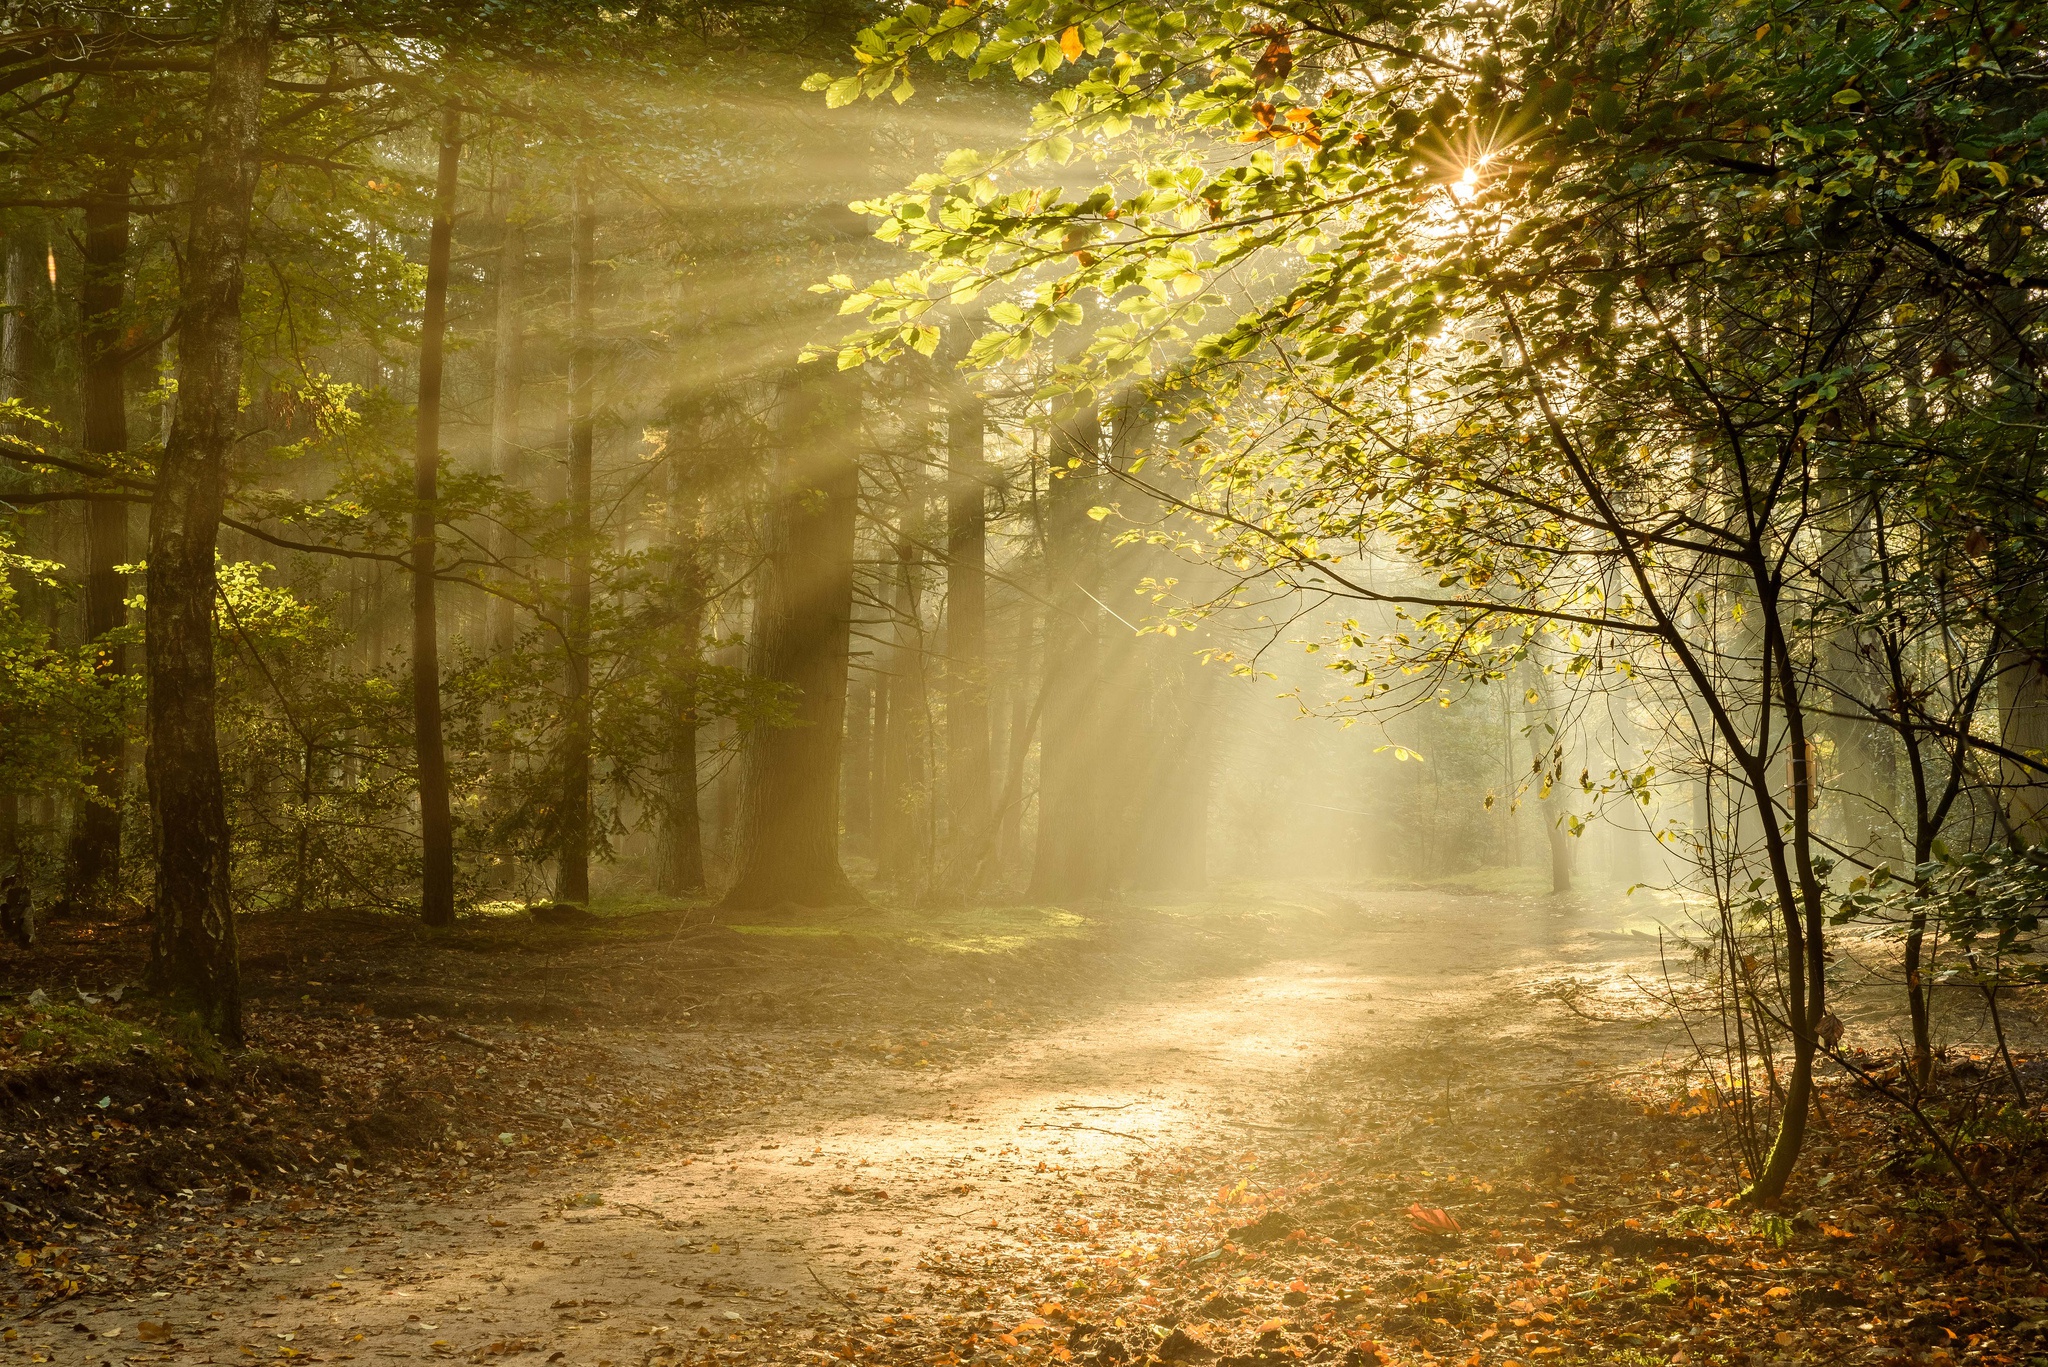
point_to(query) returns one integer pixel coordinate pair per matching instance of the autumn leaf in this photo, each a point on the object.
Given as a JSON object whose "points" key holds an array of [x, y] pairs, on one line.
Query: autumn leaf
{"points": [[1274, 63], [1070, 44], [1431, 1220]]}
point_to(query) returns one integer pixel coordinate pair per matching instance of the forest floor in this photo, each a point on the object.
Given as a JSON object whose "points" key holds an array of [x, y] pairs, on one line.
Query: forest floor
{"points": [[1391, 1126]]}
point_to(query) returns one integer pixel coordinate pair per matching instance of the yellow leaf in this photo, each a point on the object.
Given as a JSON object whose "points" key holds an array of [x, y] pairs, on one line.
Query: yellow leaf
{"points": [[1272, 1326], [1070, 44]]}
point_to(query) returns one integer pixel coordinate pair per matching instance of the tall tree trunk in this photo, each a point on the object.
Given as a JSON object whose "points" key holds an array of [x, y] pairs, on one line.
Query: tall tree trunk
{"points": [[1024, 692], [682, 835], [967, 726], [437, 823], [1072, 861], [1546, 751], [508, 331], [2023, 729], [787, 843], [193, 959], [17, 343], [903, 795], [572, 881], [93, 863], [857, 769]]}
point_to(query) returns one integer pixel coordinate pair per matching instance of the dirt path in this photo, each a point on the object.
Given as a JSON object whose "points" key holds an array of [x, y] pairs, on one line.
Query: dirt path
{"points": [[837, 1206]]}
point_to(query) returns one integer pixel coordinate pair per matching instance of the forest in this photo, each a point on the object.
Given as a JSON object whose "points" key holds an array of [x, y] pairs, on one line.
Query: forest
{"points": [[1347, 681]]}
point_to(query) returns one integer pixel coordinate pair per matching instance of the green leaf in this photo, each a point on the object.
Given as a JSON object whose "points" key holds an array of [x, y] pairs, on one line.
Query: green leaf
{"points": [[841, 92]]}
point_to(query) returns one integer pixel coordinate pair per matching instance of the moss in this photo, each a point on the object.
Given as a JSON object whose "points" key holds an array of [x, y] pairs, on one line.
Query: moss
{"points": [[44, 1032]]}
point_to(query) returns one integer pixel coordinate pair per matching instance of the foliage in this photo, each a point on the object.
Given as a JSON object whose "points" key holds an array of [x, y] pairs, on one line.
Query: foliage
{"points": [[51, 698]]}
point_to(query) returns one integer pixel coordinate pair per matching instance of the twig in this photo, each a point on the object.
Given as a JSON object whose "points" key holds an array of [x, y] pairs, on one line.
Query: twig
{"points": [[1099, 1130], [844, 1303], [1933, 1132]]}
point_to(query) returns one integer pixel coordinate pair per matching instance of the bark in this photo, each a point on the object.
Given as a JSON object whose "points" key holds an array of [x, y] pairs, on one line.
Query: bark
{"points": [[1072, 859], [1009, 842], [1545, 757], [17, 341], [967, 712], [572, 878], [682, 835], [93, 862], [858, 781], [901, 796], [2023, 729], [17, 336], [508, 332], [786, 845], [437, 823], [193, 959]]}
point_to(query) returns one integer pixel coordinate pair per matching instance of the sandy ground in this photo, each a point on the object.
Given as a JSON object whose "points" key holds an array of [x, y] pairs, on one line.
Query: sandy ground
{"points": [[846, 1199]]}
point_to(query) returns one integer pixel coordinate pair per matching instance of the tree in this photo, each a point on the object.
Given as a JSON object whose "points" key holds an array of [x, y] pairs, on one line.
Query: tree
{"points": [[968, 762], [437, 824], [787, 843], [572, 876], [193, 959], [1072, 859]]}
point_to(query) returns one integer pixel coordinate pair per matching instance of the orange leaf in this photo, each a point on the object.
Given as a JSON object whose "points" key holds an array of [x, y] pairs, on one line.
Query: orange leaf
{"points": [[1070, 43], [1432, 1220]]}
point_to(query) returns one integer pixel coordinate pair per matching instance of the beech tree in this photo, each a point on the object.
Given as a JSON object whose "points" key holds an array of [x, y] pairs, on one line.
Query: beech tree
{"points": [[194, 959]]}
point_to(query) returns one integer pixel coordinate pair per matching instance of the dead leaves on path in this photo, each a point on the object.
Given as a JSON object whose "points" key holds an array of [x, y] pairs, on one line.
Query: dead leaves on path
{"points": [[1431, 1220]]}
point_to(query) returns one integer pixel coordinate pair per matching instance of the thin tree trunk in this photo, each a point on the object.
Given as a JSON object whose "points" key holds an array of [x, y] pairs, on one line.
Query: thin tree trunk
{"points": [[1071, 862], [858, 766], [17, 340], [1546, 757], [967, 725], [508, 332], [437, 823], [1010, 820], [193, 959], [682, 863], [787, 843], [573, 871], [93, 863], [902, 784]]}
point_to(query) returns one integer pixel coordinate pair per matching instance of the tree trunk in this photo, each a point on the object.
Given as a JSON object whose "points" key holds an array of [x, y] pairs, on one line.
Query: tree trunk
{"points": [[1546, 752], [17, 338], [508, 331], [1071, 862], [93, 863], [572, 880], [857, 784], [2023, 729], [193, 959], [437, 823], [787, 842], [682, 842], [902, 794], [967, 727], [1024, 691]]}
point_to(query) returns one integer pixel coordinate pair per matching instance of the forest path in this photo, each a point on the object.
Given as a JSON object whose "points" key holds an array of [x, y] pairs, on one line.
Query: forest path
{"points": [[831, 1209]]}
